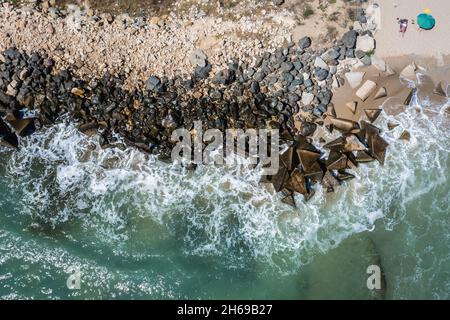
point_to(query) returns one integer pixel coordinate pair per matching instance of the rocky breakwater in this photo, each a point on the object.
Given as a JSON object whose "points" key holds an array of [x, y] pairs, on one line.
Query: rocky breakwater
{"points": [[289, 89]]}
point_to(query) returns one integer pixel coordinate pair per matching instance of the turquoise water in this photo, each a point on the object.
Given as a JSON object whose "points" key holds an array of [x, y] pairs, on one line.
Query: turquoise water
{"points": [[138, 228]]}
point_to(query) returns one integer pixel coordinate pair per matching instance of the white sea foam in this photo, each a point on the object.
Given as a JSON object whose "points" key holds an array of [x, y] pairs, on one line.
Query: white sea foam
{"points": [[120, 198]]}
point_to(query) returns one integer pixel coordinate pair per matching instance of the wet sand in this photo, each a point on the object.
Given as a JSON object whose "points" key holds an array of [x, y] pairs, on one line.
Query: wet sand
{"points": [[429, 75]]}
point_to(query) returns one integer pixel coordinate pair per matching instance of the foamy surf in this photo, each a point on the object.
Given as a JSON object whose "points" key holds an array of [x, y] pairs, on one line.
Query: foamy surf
{"points": [[61, 185]]}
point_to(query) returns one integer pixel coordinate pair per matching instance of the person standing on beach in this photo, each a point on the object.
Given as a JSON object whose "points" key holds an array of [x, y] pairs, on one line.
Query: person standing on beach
{"points": [[403, 26]]}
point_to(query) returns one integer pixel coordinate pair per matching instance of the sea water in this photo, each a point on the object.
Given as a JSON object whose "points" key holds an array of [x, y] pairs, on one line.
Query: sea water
{"points": [[130, 226]]}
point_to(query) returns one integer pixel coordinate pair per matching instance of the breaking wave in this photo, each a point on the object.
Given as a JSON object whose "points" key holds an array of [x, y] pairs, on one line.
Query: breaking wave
{"points": [[63, 186]]}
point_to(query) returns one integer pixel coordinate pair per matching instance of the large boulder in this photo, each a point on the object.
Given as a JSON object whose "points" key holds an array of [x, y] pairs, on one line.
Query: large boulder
{"points": [[349, 39]]}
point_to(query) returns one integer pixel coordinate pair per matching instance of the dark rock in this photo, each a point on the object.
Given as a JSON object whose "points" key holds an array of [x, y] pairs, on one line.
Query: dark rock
{"points": [[361, 18], [405, 135], [377, 148], [5, 99], [279, 179], [89, 129], [170, 122], [350, 53], [10, 141], [349, 39], [304, 43], [287, 66], [4, 129], [317, 113], [337, 144], [307, 128], [189, 84], [308, 83], [391, 126], [343, 124], [202, 72], [329, 181], [363, 156], [287, 77], [343, 175], [297, 182], [234, 65], [298, 65], [215, 94], [321, 74], [288, 199], [336, 160], [25, 98], [254, 87], [331, 54], [224, 77], [308, 158], [278, 2], [360, 54], [22, 127], [154, 84], [12, 54], [322, 108], [259, 76]]}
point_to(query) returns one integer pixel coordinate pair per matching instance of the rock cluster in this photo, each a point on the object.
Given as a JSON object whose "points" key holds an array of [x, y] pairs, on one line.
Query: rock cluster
{"points": [[289, 89], [303, 165], [94, 43]]}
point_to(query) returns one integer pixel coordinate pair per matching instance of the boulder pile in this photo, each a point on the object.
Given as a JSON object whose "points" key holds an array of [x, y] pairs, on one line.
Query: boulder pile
{"points": [[289, 89]]}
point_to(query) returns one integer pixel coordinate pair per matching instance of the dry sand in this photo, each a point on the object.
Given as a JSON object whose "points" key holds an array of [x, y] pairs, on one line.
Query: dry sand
{"points": [[415, 42]]}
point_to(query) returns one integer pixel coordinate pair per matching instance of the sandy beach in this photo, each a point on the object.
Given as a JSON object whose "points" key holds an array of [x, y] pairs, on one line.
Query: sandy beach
{"points": [[416, 42]]}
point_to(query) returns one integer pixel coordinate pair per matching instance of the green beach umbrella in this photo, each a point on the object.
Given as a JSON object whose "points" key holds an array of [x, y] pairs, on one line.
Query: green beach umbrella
{"points": [[426, 21]]}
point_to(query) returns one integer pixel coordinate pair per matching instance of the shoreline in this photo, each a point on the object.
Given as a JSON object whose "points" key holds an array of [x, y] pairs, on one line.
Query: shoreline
{"points": [[296, 89]]}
